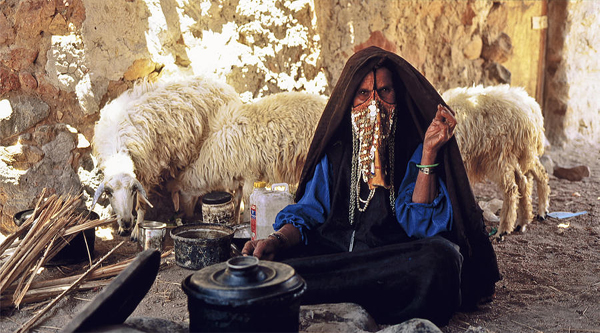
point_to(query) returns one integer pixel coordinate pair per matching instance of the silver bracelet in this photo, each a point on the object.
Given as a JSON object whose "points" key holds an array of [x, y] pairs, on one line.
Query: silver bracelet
{"points": [[277, 236], [427, 171]]}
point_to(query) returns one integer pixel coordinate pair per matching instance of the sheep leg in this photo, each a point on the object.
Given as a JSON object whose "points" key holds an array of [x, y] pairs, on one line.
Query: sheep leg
{"points": [[543, 190], [141, 211], [245, 190], [524, 212], [237, 199], [189, 202], [508, 214]]}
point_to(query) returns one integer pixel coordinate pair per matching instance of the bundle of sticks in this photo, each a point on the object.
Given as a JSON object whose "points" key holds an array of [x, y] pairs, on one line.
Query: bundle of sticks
{"points": [[52, 225]]}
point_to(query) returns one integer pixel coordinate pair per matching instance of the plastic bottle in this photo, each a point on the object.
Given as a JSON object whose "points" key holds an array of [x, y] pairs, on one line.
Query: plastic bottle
{"points": [[265, 204]]}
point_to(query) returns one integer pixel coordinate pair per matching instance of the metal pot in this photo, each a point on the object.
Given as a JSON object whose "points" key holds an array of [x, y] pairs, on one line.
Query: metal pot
{"points": [[202, 244], [244, 294], [152, 235], [74, 252]]}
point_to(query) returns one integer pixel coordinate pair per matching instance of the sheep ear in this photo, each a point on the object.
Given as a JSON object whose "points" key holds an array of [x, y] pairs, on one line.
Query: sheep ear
{"points": [[97, 195], [142, 193]]}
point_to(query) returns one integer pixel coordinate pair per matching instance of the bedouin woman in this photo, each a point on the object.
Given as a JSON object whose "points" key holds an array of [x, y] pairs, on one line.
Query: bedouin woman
{"points": [[384, 214]]}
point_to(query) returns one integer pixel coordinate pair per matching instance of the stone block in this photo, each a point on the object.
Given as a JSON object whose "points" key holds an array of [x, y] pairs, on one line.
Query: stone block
{"points": [[33, 17], [28, 82], [58, 26], [139, 68], [7, 33], [496, 74], [498, 50], [26, 112], [21, 157], [8, 81], [473, 49], [346, 317], [21, 58], [415, 325], [573, 174]]}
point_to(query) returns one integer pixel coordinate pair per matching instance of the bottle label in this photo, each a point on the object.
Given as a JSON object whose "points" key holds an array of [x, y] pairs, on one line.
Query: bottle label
{"points": [[253, 221]]}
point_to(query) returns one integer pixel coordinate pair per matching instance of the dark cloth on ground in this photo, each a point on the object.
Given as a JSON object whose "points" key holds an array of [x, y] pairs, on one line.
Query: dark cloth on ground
{"points": [[394, 283]]}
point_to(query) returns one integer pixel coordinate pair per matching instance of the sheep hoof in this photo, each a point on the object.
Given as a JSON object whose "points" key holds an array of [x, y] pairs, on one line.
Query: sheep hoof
{"points": [[123, 232], [540, 217], [135, 234], [499, 237], [521, 228]]}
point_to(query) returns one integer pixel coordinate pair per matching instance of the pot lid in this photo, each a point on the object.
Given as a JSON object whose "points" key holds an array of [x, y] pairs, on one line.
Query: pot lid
{"points": [[216, 198], [243, 280]]}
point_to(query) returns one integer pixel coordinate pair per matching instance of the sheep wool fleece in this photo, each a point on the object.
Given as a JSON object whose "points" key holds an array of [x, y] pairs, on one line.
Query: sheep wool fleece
{"points": [[416, 105]]}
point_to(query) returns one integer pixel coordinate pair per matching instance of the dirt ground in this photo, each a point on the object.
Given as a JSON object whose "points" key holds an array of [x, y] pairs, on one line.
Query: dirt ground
{"points": [[551, 273]]}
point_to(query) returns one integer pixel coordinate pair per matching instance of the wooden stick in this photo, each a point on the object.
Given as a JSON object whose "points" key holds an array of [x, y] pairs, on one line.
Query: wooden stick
{"points": [[41, 290], [20, 292], [42, 294], [35, 318], [49, 219], [87, 225], [8, 272], [100, 273]]}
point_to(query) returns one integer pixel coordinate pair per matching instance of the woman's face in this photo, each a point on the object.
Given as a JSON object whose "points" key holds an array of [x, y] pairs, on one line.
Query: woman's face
{"points": [[379, 81], [372, 117]]}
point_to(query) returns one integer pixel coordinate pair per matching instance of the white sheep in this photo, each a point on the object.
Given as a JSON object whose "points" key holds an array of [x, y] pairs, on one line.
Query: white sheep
{"points": [[500, 134], [267, 140], [148, 134]]}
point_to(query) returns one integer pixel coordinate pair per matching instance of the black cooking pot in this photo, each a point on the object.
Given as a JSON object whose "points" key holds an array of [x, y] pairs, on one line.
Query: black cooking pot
{"points": [[74, 252], [202, 244], [244, 294]]}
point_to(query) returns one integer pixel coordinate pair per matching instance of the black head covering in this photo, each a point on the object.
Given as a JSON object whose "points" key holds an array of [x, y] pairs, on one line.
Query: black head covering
{"points": [[417, 102]]}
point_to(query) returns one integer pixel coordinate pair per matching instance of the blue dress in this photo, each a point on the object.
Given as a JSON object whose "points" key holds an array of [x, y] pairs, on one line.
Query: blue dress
{"points": [[418, 220]]}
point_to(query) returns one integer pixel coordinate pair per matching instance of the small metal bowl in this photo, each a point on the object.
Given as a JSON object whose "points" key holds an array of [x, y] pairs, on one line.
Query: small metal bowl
{"points": [[152, 235], [202, 244]]}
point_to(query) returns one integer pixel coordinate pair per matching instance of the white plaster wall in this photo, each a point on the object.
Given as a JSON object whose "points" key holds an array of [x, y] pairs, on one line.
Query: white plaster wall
{"points": [[582, 71]]}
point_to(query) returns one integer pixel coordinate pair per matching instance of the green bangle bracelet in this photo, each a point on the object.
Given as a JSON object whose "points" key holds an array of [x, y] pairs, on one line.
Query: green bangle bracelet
{"points": [[427, 166]]}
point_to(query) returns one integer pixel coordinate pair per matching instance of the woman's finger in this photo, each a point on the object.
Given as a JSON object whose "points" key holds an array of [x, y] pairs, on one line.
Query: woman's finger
{"points": [[448, 109], [248, 249]]}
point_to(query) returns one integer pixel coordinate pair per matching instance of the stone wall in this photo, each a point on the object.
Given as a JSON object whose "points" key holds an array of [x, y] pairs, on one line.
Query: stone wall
{"points": [[62, 60], [571, 103]]}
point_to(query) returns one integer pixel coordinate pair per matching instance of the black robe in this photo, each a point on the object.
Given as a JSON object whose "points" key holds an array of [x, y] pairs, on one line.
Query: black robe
{"points": [[416, 105]]}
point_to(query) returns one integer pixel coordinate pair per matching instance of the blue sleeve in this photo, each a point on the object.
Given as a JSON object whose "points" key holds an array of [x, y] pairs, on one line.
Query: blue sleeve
{"points": [[314, 206], [418, 219]]}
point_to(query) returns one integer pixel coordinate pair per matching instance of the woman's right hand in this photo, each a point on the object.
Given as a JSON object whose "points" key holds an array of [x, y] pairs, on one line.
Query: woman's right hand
{"points": [[264, 249], [438, 133]]}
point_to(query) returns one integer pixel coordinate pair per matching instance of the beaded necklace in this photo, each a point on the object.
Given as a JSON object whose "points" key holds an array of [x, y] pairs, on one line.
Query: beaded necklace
{"points": [[355, 178]]}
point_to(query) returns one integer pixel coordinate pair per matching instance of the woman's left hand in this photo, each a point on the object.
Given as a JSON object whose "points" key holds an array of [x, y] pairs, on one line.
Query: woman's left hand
{"points": [[439, 132]]}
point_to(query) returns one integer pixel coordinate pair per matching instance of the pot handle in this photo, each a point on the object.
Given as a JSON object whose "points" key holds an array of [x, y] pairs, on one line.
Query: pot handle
{"points": [[235, 250]]}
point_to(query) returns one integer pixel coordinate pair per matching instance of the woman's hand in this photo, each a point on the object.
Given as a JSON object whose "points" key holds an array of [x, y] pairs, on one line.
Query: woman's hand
{"points": [[264, 249], [438, 133]]}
